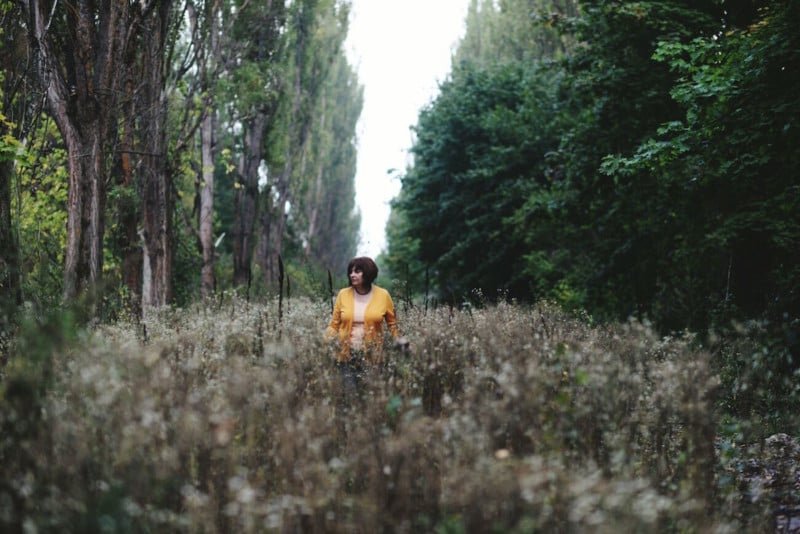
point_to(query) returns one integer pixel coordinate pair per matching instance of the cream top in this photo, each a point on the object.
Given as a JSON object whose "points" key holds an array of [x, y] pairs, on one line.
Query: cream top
{"points": [[359, 306]]}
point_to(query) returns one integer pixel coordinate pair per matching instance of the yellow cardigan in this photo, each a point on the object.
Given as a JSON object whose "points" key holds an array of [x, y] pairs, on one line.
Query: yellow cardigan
{"points": [[379, 308]]}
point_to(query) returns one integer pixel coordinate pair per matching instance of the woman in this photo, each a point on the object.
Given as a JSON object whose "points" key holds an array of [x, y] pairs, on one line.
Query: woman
{"points": [[357, 322], [359, 313]]}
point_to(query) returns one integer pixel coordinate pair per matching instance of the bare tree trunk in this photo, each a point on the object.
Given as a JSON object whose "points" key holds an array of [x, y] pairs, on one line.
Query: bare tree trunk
{"points": [[209, 62], [314, 200], [157, 248], [206, 215], [245, 200], [264, 256], [155, 180], [83, 257], [125, 207]]}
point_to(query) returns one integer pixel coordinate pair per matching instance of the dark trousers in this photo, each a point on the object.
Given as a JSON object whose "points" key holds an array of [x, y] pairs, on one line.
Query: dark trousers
{"points": [[352, 375]]}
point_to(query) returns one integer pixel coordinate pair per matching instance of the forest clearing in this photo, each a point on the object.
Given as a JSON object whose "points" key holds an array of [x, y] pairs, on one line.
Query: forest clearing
{"points": [[505, 418]]}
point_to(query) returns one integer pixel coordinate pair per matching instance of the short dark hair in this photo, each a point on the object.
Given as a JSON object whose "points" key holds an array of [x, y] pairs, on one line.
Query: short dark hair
{"points": [[367, 268]]}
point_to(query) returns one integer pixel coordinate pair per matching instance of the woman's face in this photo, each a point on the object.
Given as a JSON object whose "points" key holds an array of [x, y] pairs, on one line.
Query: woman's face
{"points": [[356, 277]]}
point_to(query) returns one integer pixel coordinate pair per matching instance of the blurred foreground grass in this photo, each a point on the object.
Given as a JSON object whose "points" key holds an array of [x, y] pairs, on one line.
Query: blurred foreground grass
{"points": [[221, 418]]}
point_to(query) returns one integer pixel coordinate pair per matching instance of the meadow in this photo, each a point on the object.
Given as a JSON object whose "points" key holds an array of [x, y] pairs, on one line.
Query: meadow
{"points": [[228, 417]]}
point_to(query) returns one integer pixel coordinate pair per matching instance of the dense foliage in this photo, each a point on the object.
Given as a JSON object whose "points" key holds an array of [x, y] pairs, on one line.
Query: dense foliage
{"points": [[227, 417], [473, 152], [649, 170]]}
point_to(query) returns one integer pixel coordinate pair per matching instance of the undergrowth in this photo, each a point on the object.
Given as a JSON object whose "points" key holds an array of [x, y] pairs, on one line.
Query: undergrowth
{"points": [[228, 417]]}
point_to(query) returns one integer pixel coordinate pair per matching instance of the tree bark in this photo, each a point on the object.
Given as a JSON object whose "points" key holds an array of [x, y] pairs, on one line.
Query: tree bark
{"points": [[86, 198], [206, 215], [245, 199], [157, 247], [155, 178], [127, 243], [207, 42], [265, 240]]}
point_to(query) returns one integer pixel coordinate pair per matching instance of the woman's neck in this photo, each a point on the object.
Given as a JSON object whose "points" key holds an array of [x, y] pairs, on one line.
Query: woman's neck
{"points": [[362, 290]]}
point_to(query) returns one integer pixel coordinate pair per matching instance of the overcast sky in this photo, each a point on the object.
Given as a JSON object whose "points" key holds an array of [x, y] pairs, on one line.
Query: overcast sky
{"points": [[401, 50]]}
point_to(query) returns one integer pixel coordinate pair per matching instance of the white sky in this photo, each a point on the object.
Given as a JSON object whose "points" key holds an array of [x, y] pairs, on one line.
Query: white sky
{"points": [[402, 50]]}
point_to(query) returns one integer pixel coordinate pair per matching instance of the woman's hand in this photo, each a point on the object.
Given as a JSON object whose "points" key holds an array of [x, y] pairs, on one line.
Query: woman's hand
{"points": [[402, 345]]}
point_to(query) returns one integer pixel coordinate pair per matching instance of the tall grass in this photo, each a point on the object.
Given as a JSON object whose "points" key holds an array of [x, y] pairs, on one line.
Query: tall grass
{"points": [[225, 417]]}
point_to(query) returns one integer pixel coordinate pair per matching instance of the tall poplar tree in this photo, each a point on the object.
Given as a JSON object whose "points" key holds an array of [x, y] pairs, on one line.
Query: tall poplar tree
{"points": [[316, 29], [330, 222], [260, 40]]}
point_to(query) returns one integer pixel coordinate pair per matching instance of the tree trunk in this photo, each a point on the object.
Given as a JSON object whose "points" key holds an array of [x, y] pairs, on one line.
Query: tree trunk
{"points": [[83, 257], [155, 180], [206, 215], [127, 244], [314, 200], [272, 234], [157, 248], [265, 239], [10, 289], [209, 62], [245, 200]]}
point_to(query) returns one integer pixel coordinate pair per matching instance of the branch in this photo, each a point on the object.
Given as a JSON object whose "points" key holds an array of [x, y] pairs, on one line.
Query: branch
{"points": [[50, 19]]}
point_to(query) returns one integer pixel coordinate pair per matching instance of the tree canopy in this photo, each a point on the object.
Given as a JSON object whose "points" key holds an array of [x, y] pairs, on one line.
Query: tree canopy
{"points": [[644, 167]]}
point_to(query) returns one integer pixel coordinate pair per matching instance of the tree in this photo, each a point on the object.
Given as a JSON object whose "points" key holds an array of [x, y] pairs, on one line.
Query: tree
{"points": [[156, 175], [152, 94], [476, 149], [14, 74], [401, 259], [207, 32], [79, 54], [515, 30], [316, 33], [593, 236], [728, 169], [480, 149], [260, 35], [330, 224]]}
